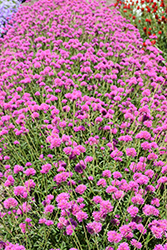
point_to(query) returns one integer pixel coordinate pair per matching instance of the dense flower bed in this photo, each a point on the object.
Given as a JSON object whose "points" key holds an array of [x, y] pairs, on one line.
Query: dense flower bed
{"points": [[7, 10], [150, 17], [83, 117]]}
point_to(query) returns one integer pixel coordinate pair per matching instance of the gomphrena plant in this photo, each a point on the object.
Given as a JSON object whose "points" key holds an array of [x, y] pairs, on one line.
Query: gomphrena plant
{"points": [[83, 131], [150, 17]]}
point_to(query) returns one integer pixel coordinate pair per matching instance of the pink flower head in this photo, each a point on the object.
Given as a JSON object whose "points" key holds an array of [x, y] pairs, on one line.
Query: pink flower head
{"points": [[150, 210], [106, 173], [143, 135], [118, 195], [29, 184], [20, 191], [49, 209], [30, 171], [10, 203], [97, 199], [102, 182], [18, 168], [114, 237], [80, 189], [123, 246], [94, 227], [137, 199], [136, 244], [131, 152], [46, 168], [117, 175], [157, 232], [35, 115], [159, 247], [62, 177], [49, 222], [62, 222], [132, 210], [62, 196], [81, 216], [70, 229], [105, 206]]}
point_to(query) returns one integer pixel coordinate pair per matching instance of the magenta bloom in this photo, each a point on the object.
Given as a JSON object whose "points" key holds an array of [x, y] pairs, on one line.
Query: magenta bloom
{"points": [[94, 227], [123, 246], [106, 173], [157, 232], [49, 209], [10, 203], [150, 210], [30, 171], [81, 216], [80, 189], [114, 237], [159, 247], [62, 196], [70, 229], [132, 210], [137, 199], [46, 168], [131, 152], [106, 207], [102, 182], [20, 191], [136, 244]]}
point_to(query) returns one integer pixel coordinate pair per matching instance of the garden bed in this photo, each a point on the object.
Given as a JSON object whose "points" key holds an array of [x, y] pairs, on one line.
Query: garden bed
{"points": [[83, 120]]}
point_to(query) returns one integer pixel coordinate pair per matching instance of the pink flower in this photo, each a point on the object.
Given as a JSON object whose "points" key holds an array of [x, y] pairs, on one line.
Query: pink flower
{"points": [[137, 199], [10, 203], [157, 232], [80, 189], [63, 204], [62, 177], [111, 189], [29, 184], [117, 175], [102, 182], [30, 171], [106, 173], [49, 209], [62, 196], [46, 168], [20, 191], [105, 206], [35, 115], [94, 227], [131, 152], [132, 210], [159, 247], [136, 243], [23, 227], [145, 145], [70, 229], [62, 223], [114, 237], [49, 222], [152, 156], [97, 199], [123, 246], [118, 195], [81, 216], [150, 210], [143, 135], [18, 168]]}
